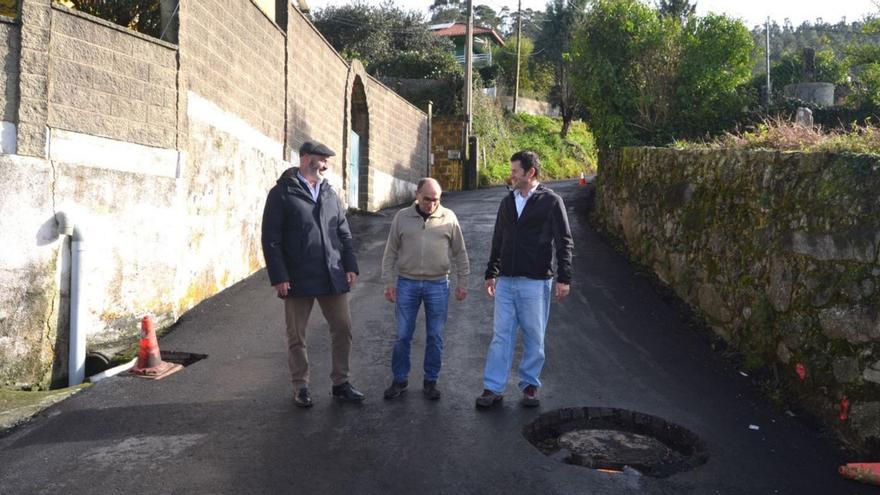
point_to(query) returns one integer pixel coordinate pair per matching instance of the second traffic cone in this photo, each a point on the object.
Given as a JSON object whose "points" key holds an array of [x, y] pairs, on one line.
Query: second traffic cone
{"points": [[865, 472], [583, 180], [149, 362]]}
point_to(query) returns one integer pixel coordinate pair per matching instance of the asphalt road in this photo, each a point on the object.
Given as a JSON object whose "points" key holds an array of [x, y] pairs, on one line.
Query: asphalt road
{"points": [[227, 424]]}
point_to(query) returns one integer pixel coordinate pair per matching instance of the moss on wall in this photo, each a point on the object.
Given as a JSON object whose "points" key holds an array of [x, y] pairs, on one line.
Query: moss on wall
{"points": [[779, 253]]}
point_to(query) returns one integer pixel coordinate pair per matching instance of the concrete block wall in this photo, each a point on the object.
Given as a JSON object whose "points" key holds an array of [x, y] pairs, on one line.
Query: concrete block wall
{"points": [[317, 90], [233, 55], [399, 146], [110, 81], [33, 90], [9, 51], [164, 153]]}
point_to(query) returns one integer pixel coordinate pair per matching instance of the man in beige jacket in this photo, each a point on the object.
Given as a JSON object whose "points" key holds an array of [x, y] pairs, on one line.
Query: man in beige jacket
{"points": [[424, 242]]}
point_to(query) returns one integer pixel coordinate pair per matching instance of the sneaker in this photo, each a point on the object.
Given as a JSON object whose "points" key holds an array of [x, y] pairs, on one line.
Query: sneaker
{"points": [[530, 397], [347, 393], [429, 388], [395, 390], [489, 399], [303, 398]]}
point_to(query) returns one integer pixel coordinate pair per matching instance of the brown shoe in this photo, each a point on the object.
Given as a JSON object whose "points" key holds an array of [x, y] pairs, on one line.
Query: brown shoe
{"points": [[530, 397], [489, 399]]}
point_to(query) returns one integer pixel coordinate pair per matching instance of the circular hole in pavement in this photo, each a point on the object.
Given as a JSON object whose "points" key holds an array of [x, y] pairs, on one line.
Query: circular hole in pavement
{"points": [[616, 440]]}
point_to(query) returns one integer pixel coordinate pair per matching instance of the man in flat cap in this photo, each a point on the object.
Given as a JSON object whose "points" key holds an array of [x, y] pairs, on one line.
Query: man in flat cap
{"points": [[310, 256]]}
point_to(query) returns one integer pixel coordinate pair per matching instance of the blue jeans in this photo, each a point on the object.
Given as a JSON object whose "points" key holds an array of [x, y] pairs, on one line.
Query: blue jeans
{"points": [[519, 303], [410, 295]]}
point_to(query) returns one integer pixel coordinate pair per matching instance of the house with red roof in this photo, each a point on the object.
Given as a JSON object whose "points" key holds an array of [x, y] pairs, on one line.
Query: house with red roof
{"points": [[485, 39]]}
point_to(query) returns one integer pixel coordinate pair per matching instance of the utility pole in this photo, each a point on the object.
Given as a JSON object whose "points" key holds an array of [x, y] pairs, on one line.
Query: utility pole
{"points": [[469, 67], [767, 50], [518, 45]]}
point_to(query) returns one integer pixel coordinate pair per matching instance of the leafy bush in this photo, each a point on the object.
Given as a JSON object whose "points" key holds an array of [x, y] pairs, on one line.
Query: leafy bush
{"points": [[502, 134], [645, 78]]}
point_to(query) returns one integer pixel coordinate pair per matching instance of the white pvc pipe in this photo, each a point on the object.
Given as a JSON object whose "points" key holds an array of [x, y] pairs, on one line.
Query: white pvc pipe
{"points": [[76, 366], [112, 371]]}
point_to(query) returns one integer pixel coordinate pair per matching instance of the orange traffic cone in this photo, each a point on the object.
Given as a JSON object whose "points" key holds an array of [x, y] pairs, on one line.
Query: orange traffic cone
{"points": [[149, 363], [862, 471], [583, 180]]}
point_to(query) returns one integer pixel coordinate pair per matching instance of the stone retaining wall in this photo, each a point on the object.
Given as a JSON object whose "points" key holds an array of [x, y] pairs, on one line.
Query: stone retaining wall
{"points": [[777, 251]]}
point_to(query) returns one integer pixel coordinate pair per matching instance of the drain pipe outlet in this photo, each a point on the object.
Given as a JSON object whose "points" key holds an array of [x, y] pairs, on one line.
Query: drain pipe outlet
{"points": [[76, 367]]}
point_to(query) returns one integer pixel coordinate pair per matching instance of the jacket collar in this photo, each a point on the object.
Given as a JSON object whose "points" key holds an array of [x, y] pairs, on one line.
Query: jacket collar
{"points": [[291, 178], [539, 189]]}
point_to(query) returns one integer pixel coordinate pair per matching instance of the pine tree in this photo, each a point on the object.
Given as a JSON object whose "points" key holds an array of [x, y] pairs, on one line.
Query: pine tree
{"points": [[676, 8]]}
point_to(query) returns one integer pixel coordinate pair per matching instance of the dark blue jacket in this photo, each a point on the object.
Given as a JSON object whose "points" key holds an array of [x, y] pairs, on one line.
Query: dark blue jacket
{"points": [[306, 243], [524, 246]]}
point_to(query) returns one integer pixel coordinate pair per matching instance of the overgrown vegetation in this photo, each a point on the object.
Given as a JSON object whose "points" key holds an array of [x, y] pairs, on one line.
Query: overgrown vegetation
{"points": [[646, 78], [536, 76], [9, 8], [503, 133], [143, 16], [388, 40], [779, 134]]}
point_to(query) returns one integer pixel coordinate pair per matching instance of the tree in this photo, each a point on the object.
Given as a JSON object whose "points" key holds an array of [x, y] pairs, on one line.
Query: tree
{"points": [[645, 78], [140, 15], [485, 16], [389, 41], [865, 60], [714, 69], [532, 23], [535, 79], [790, 68], [562, 19], [680, 9]]}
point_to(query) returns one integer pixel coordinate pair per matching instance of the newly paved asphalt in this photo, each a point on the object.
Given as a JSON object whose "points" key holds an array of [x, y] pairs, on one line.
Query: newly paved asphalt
{"points": [[227, 424]]}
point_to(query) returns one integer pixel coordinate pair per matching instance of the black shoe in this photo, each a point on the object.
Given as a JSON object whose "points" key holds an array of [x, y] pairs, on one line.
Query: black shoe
{"points": [[489, 399], [429, 388], [395, 390], [303, 398], [347, 393], [530, 397]]}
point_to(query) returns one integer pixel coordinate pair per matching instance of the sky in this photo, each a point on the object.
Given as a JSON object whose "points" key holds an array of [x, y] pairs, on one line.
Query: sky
{"points": [[751, 11]]}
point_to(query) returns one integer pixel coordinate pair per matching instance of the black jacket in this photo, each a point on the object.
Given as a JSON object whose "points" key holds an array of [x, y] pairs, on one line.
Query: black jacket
{"points": [[523, 247], [305, 243]]}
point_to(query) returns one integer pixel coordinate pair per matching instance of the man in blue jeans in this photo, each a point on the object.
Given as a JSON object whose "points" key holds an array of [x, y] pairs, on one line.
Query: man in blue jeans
{"points": [[424, 241], [531, 224]]}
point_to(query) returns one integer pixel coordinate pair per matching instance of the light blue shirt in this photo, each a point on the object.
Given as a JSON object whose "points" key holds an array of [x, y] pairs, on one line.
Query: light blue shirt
{"points": [[521, 201], [316, 191]]}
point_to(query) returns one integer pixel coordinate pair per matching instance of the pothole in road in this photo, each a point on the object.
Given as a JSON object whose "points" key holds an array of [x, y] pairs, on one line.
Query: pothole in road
{"points": [[183, 358], [616, 440]]}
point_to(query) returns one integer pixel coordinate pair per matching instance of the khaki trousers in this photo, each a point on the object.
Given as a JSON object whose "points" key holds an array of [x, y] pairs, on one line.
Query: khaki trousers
{"points": [[336, 312]]}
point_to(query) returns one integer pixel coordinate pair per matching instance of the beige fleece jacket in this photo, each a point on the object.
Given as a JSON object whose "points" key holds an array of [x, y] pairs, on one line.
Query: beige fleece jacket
{"points": [[425, 249]]}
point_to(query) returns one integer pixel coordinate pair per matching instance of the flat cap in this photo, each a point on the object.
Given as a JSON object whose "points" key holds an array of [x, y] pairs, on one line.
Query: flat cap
{"points": [[315, 148]]}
